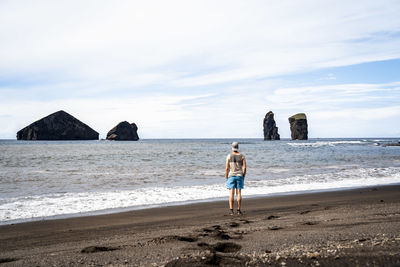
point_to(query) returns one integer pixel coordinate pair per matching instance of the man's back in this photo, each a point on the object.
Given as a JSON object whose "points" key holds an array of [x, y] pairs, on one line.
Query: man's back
{"points": [[235, 164]]}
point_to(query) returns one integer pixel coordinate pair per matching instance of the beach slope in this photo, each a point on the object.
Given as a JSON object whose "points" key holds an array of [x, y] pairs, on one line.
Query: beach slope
{"points": [[340, 228]]}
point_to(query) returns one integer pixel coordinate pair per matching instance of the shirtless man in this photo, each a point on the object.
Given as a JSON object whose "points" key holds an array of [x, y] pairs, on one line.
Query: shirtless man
{"points": [[235, 172]]}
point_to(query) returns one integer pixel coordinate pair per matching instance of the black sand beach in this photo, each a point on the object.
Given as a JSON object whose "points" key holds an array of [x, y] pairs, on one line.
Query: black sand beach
{"points": [[357, 227]]}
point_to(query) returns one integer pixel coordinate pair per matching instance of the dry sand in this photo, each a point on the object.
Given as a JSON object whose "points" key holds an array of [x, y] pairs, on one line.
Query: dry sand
{"points": [[342, 228]]}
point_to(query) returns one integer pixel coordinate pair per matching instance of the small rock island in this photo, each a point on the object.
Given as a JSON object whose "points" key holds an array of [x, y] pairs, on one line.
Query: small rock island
{"points": [[298, 126], [58, 126], [270, 129], [124, 131]]}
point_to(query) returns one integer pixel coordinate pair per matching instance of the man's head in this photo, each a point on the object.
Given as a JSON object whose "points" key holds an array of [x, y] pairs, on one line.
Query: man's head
{"points": [[235, 146]]}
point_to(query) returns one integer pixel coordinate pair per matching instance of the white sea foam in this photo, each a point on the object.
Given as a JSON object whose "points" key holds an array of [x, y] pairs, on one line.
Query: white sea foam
{"points": [[278, 170], [33, 207], [324, 143], [42, 179], [382, 140], [217, 172]]}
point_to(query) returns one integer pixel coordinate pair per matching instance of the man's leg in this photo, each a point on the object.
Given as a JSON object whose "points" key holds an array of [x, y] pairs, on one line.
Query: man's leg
{"points": [[231, 197], [239, 198]]}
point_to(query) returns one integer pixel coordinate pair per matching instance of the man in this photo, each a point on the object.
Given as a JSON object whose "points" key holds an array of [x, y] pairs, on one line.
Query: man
{"points": [[235, 172]]}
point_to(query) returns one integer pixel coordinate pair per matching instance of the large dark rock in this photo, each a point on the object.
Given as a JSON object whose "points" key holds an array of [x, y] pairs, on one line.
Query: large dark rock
{"points": [[58, 126], [270, 129], [298, 126], [124, 131]]}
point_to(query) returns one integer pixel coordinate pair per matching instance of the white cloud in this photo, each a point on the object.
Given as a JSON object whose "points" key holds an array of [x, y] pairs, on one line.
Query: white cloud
{"points": [[344, 110], [238, 112], [333, 96], [152, 114], [100, 40], [140, 60]]}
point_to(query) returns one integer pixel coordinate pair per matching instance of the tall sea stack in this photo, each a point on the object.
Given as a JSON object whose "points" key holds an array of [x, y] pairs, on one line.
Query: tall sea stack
{"points": [[270, 129], [298, 126], [124, 131], [58, 126]]}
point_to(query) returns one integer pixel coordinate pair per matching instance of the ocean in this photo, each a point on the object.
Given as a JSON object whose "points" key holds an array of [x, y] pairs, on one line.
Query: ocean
{"points": [[56, 179]]}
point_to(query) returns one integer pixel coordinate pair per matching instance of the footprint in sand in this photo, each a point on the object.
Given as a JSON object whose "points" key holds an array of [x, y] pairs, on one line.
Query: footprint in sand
{"points": [[215, 231], [5, 260], [304, 212], [170, 238], [224, 247], [233, 224], [220, 234], [207, 230], [309, 223], [203, 245], [210, 259], [186, 238], [274, 228], [94, 249], [227, 247]]}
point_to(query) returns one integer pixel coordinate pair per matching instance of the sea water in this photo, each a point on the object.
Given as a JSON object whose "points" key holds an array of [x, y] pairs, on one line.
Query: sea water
{"points": [[47, 179]]}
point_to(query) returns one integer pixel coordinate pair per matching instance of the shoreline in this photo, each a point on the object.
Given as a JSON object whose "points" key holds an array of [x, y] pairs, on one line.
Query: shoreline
{"points": [[181, 203], [341, 227]]}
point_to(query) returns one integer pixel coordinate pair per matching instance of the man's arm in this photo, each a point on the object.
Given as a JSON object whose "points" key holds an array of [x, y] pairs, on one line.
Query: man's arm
{"points": [[244, 167], [227, 167]]}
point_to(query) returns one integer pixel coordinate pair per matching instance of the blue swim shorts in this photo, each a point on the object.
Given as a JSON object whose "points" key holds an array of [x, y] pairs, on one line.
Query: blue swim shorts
{"points": [[235, 182]]}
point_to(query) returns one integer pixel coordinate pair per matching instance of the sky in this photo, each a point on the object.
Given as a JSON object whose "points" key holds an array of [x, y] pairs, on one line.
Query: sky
{"points": [[203, 69]]}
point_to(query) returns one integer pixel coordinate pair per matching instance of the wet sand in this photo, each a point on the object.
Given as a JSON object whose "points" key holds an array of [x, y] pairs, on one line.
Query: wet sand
{"points": [[341, 228]]}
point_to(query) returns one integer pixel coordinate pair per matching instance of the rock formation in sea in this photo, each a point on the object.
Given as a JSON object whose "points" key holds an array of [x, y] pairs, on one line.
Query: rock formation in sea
{"points": [[270, 129], [124, 131], [58, 126], [298, 126]]}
